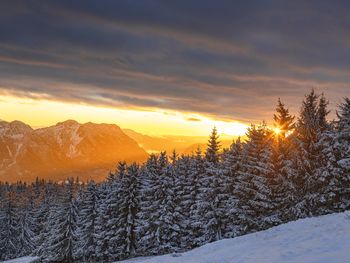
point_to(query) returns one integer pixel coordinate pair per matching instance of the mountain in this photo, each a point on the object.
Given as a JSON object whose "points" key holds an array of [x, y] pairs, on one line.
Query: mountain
{"points": [[150, 144], [168, 143], [203, 146], [68, 148], [324, 239]]}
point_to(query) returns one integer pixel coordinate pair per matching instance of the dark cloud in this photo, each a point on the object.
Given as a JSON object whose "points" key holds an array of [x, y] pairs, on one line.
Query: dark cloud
{"points": [[229, 59]]}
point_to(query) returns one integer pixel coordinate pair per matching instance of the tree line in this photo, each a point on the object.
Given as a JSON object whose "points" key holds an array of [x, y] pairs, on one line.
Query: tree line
{"points": [[172, 203]]}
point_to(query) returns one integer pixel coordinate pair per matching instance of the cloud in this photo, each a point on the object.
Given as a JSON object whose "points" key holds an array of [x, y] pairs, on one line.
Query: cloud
{"points": [[225, 59], [193, 119]]}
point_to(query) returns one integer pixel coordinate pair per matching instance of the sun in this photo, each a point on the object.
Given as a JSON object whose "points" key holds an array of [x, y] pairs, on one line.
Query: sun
{"points": [[277, 131]]}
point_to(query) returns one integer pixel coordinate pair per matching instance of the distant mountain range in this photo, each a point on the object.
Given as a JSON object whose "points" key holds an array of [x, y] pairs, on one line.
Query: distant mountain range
{"points": [[89, 151], [69, 148], [168, 143]]}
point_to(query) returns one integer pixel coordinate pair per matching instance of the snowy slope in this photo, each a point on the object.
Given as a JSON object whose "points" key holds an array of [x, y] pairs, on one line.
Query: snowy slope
{"points": [[321, 239], [21, 260]]}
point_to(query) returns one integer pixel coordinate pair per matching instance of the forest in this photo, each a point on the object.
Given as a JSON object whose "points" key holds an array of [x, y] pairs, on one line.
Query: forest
{"points": [[298, 168]]}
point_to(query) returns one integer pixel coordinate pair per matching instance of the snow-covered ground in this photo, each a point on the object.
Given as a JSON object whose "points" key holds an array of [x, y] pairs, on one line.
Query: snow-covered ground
{"points": [[21, 260], [324, 239]]}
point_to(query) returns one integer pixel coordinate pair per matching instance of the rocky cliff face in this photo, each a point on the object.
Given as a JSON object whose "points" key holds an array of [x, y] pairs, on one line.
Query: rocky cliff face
{"points": [[69, 148]]}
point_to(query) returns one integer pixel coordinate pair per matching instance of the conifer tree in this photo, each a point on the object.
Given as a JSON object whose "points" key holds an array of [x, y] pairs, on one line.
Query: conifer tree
{"points": [[128, 206], [212, 153], [169, 220], [210, 199], [46, 199], [86, 224], [310, 160], [252, 188], [26, 226], [62, 227], [283, 121], [322, 113], [282, 188], [103, 216], [9, 230], [183, 189], [232, 160], [337, 155], [192, 200], [153, 195], [109, 244]]}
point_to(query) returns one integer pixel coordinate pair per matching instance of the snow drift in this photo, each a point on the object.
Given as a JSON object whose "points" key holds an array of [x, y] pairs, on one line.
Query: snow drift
{"points": [[320, 239]]}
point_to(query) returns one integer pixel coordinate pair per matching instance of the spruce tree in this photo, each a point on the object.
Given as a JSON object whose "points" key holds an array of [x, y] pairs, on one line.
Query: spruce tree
{"points": [[311, 175], [232, 160], [210, 199], [192, 201], [151, 204], [281, 180], [86, 224], [252, 189], [61, 240], [9, 230], [212, 153], [108, 243], [283, 121], [26, 225], [337, 152], [45, 200], [103, 215], [183, 189], [128, 206]]}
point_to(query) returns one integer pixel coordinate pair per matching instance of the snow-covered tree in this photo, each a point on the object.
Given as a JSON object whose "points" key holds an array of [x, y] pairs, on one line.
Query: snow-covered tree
{"points": [[252, 188], [85, 248], [232, 160], [45, 200], [182, 189], [103, 215], [311, 176], [61, 240], [192, 168], [212, 153], [9, 229], [150, 204], [283, 172], [210, 198], [337, 155], [283, 120], [26, 226], [127, 207]]}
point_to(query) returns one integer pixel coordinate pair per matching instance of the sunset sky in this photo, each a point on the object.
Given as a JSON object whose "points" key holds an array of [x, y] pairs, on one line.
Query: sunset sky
{"points": [[169, 67]]}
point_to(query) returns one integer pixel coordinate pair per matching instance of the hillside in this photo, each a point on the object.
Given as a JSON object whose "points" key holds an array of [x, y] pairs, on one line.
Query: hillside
{"points": [[182, 144], [320, 239], [66, 149]]}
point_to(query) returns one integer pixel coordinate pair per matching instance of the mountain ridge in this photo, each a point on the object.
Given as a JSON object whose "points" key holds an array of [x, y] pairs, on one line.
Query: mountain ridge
{"points": [[68, 148]]}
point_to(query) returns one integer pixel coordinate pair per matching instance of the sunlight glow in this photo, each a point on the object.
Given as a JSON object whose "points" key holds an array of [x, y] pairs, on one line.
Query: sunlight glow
{"points": [[277, 130], [41, 112]]}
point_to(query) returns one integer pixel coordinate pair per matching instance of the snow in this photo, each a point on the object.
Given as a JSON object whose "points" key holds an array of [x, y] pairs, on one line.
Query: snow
{"points": [[14, 157], [324, 239], [344, 163], [21, 260], [68, 131], [75, 140]]}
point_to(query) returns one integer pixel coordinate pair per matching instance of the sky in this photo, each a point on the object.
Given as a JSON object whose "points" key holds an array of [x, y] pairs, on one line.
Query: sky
{"points": [[169, 67]]}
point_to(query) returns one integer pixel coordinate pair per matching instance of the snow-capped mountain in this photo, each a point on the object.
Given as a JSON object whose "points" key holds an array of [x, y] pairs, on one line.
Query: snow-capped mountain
{"points": [[67, 149]]}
